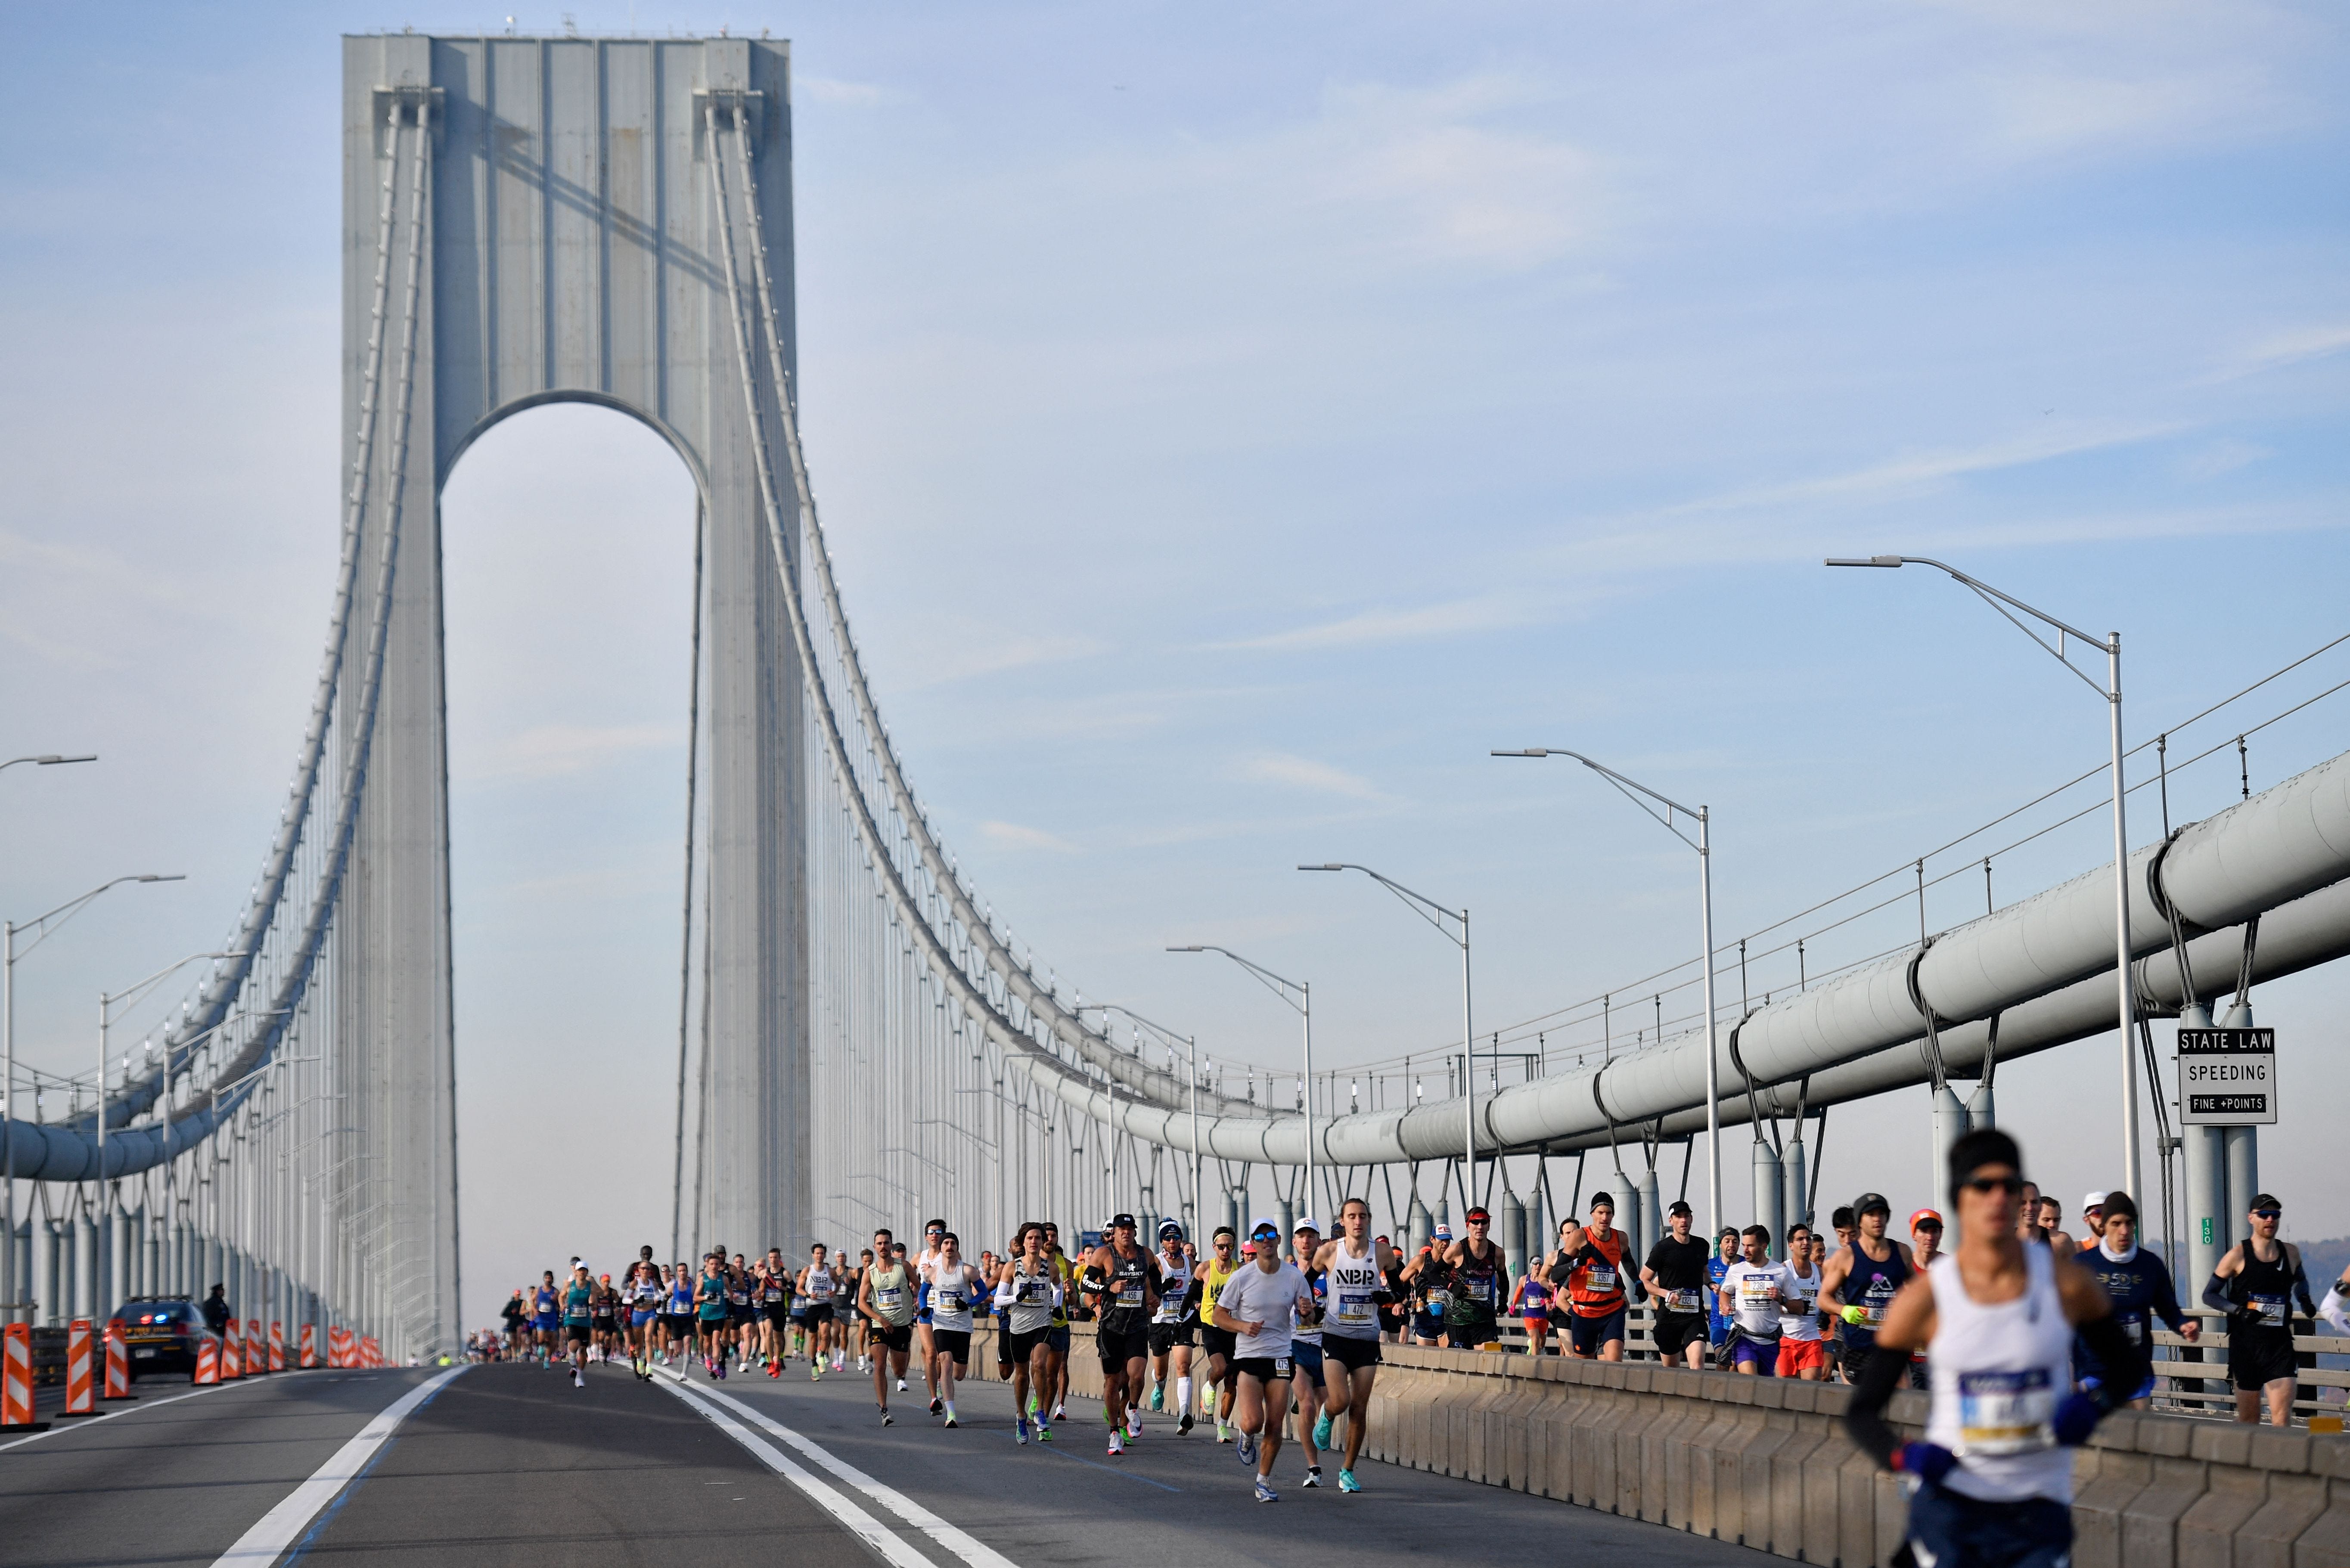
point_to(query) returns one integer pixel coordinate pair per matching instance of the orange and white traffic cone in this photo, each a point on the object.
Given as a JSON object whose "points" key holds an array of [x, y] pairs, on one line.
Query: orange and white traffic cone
{"points": [[232, 1356], [208, 1361], [276, 1346], [309, 1346], [16, 1382], [257, 1349], [118, 1366], [79, 1398]]}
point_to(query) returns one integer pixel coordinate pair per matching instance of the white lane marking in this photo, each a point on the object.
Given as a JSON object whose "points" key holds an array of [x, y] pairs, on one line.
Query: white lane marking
{"points": [[978, 1553], [869, 1528], [281, 1525], [134, 1409]]}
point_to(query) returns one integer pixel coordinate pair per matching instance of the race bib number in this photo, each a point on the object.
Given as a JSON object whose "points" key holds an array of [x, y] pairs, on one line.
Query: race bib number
{"points": [[2270, 1311], [1682, 1300], [1280, 1367], [1600, 1277], [1873, 1306], [1034, 1293], [889, 1295], [1130, 1294], [1755, 1292], [2136, 1328], [1355, 1309], [2006, 1412]]}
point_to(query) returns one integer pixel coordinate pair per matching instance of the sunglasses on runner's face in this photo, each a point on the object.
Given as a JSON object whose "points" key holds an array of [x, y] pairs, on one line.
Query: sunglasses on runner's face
{"points": [[1989, 1184], [2268, 1213]]}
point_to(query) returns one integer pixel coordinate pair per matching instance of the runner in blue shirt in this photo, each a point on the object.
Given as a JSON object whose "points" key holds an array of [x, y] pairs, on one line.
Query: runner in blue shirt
{"points": [[2141, 1288]]}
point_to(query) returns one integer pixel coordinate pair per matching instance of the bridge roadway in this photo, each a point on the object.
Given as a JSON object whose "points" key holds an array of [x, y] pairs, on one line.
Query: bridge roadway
{"points": [[510, 1464]]}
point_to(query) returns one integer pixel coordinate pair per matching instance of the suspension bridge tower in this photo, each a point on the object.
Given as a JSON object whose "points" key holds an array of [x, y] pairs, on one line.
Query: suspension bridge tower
{"points": [[529, 221]]}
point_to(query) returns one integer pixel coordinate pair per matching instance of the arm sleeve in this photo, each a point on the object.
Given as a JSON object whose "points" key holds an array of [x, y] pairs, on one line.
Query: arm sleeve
{"points": [[2335, 1312], [2301, 1289], [2215, 1295], [1864, 1418]]}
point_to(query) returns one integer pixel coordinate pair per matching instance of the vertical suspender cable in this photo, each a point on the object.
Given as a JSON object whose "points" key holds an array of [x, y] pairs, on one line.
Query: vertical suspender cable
{"points": [[685, 956]]}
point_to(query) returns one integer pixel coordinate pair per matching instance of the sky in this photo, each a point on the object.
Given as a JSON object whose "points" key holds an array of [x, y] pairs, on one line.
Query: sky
{"points": [[1231, 423]]}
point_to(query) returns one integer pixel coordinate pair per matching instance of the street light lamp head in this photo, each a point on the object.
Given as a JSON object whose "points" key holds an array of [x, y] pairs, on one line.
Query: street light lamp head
{"points": [[1195, 948], [52, 760], [1529, 751], [150, 876], [1330, 867], [1872, 561]]}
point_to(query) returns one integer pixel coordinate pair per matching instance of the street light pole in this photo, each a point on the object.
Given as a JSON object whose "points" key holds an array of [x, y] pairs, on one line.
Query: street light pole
{"points": [[1304, 1002], [1633, 790], [1436, 913], [9, 1292], [2126, 1008], [1191, 1044]]}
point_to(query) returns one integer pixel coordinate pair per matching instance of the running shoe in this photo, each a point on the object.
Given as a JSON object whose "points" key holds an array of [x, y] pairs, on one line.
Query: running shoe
{"points": [[1223, 1431], [815, 1373], [1133, 1427], [1020, 1430], [885, 1417], [1265, 1493], [1347, 1481], [1322, 1430], [937, 1404], [1044, 1432], [1060, 1412], [1313, 1475], [949, 1422], [1116, 1443], [1248, 1449], [1158, 1396], [902, 1385], [579, 1379], [775, 1369], [1184, 1424]]}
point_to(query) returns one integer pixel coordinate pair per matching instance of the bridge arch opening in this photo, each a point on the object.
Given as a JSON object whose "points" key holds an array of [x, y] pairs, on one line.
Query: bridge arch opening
{"points": [[567, 543]]}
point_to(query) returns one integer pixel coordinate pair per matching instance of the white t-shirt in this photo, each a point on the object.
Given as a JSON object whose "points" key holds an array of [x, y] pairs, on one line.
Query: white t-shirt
{"points": [[1252, 1295], [1753, 1291]]}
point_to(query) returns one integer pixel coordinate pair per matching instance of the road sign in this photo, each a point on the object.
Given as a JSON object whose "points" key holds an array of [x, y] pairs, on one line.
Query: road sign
{"points": [[2226, 1078]]}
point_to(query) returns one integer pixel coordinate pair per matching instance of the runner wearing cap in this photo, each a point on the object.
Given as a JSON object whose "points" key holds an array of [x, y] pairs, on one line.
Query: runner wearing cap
{"points": [[1862, 1281], [2254, 1284], [925, 1349], [1355, 1275], [1216, 1343], [1477, 1280], [2140, 1288], [1258, 1305], [955, 1289], [1123, 1279], [1174, 1324], [1589, 1265], [2093, 1221], [1993, 1476], [1925, 1237], [775, 1294], [1675, 1277], [1725, 1253], [885, 1302], [1056, 1392], [1305, 1348], [577, 1309], [710, 1314]]}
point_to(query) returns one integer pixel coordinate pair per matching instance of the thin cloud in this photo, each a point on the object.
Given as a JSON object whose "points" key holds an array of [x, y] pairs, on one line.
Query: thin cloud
{"points": [[1485, 613], [557, 751], [1304, 772], [833, 89], [1019, 838], [2292, 347]]}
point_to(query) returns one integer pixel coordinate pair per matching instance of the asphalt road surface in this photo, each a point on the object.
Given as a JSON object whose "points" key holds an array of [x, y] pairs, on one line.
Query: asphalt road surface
{"points": [[511, 1464]]}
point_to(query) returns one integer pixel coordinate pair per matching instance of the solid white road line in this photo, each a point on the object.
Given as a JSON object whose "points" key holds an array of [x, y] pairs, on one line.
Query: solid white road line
{"points": [[282, 1525], [978, 1553], [869, 1528]]}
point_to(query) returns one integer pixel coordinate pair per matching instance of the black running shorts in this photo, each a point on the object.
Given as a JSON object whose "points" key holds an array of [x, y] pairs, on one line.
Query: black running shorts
{"points": [[1218, 1341], [577, 1332], [899, 1337], [954, 1341], [2258, 1358], [818, 1314], [1350, 1353], [1676, 1331], [1021, 1346], [1166, 1336], [1120, 1346], [1264, 1368]]}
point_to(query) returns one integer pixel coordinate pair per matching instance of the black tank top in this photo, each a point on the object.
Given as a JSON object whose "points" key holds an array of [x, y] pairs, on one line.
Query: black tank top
{"points": [[1476, 1284], [2262, 1295], [1128, 1272], [1871, 1286]]}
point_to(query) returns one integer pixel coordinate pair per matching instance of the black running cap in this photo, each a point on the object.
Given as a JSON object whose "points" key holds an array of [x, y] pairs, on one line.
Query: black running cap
{"points": [[1679, 1205], [1870, 1203], [2265, 1201], [1121, 1221]]}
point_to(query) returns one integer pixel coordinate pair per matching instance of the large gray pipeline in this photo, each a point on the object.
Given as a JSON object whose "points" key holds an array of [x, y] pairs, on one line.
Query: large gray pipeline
{"points": [[2033, 963]]}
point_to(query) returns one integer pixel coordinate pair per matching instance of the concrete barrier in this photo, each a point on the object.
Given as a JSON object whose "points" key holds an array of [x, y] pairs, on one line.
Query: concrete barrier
{"points": [[1764, 1461]]}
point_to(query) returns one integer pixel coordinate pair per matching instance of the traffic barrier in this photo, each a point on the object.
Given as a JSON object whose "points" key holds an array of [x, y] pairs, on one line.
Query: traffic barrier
{"points": [[17, 1381], [276, 1346], [257, 1349], [338, 1347], [118, 1366], [371, 1354], [208, 1361], [309, 1346], [232, 1356], [79, 1398]]}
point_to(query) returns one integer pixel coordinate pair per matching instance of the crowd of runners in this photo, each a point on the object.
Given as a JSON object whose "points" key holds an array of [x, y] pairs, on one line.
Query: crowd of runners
{"points": [[2025, 1335]]}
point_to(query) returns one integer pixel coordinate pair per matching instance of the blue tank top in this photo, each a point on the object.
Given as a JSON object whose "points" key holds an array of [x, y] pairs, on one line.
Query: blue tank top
{"points": [[1871, 1286], [545, 1302]]}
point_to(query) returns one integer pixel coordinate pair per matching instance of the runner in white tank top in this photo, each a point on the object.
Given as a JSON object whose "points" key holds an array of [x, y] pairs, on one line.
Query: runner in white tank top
{"points": [[1996, 1318], [1355, 1270]]}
